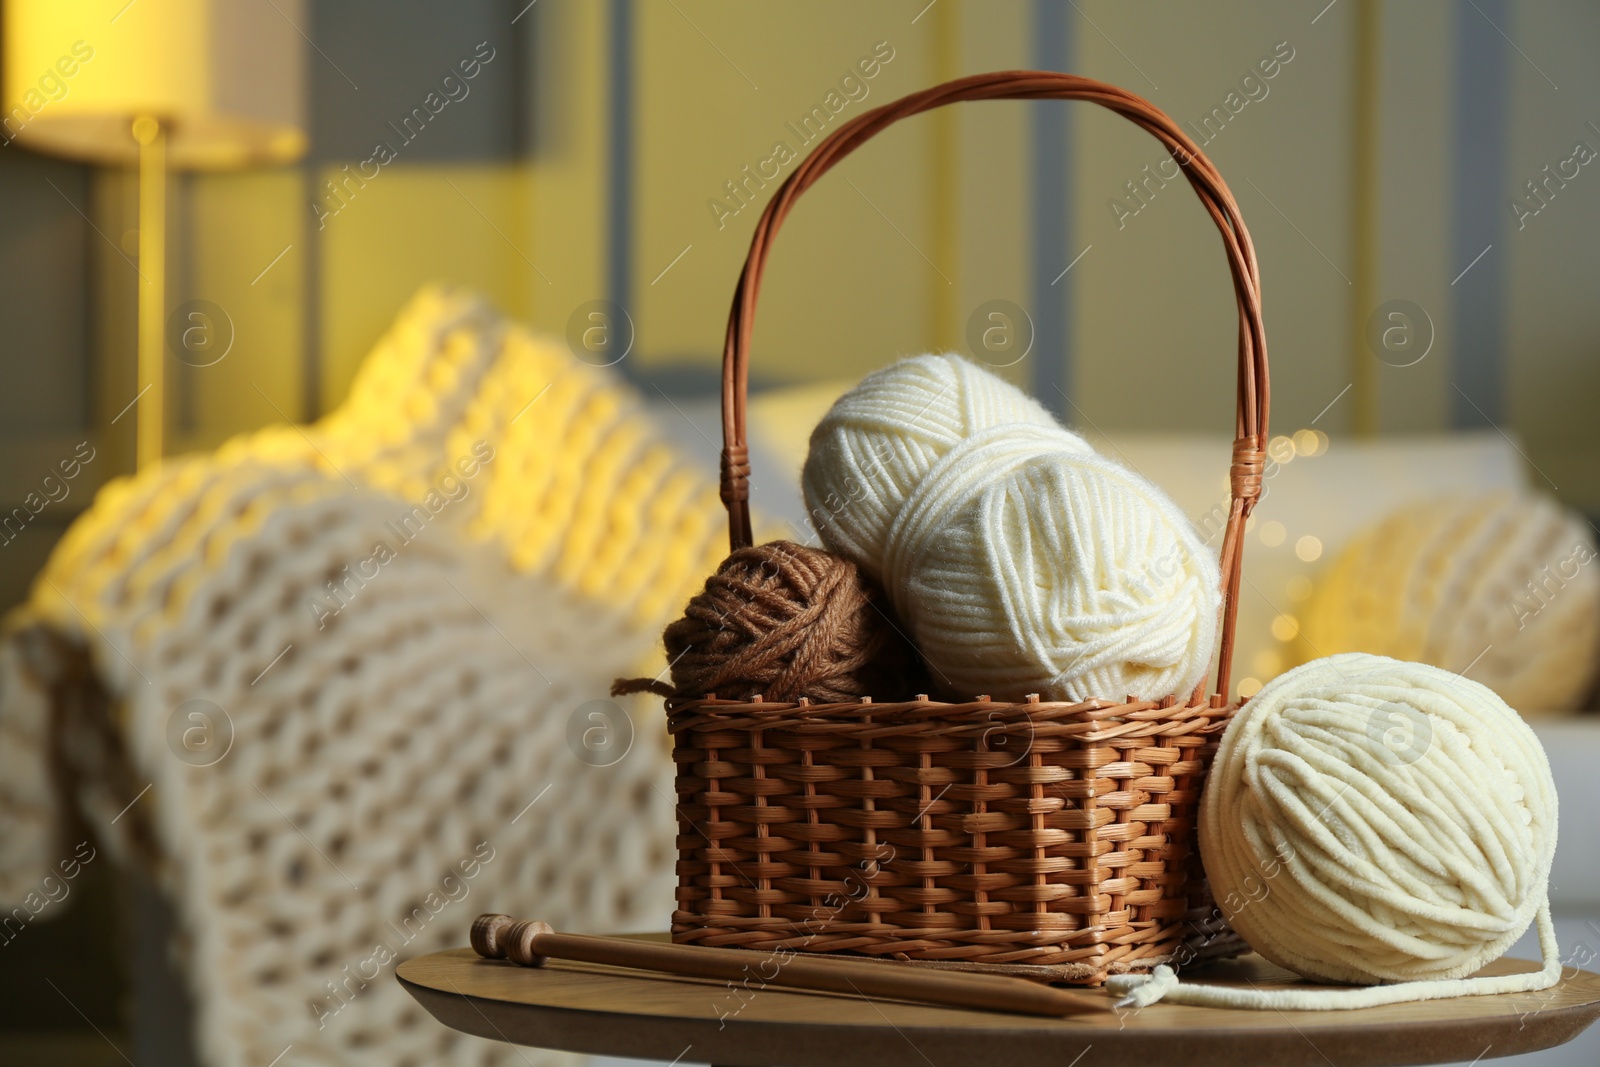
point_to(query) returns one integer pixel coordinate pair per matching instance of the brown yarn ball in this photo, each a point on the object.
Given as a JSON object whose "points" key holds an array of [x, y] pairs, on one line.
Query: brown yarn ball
{"points": [[783, 621]]}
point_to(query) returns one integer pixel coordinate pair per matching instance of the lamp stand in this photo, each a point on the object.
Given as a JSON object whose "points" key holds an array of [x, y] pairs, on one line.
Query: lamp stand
{"points": [[150, 421]]}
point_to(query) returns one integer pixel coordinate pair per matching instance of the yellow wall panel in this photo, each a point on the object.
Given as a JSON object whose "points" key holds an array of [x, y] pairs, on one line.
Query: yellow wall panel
{"points": [[848, 286], [993, 161], [1553, 319], [243, 274], [566, 177], [410, 226], [1156, 324], [1414, 235]]}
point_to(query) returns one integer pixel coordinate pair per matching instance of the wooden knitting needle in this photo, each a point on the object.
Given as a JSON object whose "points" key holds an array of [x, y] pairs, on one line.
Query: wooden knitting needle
{"points": [[529, 943]]}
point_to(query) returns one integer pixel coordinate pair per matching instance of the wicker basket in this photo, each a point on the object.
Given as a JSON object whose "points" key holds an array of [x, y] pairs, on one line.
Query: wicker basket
{"points": [[1049, 839]]}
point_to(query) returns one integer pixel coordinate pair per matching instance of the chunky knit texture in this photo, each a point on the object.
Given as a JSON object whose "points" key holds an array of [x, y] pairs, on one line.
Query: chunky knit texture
{"points": [[391, 710], [1021, 561], [1503, 587], [1376, 822]]}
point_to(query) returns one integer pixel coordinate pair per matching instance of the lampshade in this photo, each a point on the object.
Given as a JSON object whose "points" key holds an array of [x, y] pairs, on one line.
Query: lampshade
{"points": [[225, 77]]}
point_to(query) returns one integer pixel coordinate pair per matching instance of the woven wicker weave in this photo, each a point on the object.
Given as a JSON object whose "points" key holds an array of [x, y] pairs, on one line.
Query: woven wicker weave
{"points": [[1052, 839]]}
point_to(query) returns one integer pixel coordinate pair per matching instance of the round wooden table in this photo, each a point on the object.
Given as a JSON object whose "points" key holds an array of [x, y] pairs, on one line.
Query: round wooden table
{"points": [[607, 1011]]}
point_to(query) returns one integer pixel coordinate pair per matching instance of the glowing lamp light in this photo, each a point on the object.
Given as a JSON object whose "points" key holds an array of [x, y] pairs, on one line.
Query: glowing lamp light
{"points": [[187, 84], [223, 78]]}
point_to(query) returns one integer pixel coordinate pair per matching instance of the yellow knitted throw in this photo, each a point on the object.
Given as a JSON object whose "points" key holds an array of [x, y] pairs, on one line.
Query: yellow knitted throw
{"points": [[396, 614]]}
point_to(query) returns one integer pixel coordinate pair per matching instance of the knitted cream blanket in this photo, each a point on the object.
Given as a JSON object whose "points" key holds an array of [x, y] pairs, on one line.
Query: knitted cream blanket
{"points": [[328, 684]]}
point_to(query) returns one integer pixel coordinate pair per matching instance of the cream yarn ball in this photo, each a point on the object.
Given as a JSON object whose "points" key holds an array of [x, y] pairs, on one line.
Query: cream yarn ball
{"points": [[1023, 566], [1020, 560], [879, 439], [1501, 586], [1373, 821]]}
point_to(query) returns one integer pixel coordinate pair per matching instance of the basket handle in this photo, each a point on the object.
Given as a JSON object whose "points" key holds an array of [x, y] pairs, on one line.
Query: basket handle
{"points": [[1250, 429]]}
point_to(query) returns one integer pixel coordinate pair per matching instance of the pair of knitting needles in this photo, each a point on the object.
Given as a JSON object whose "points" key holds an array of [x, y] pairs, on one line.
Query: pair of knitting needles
{"points": [[529, 942]]}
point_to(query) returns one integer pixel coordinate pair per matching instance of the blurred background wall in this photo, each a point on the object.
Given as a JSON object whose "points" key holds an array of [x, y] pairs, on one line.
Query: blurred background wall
{"points": [[613, 151], [600, 155]]}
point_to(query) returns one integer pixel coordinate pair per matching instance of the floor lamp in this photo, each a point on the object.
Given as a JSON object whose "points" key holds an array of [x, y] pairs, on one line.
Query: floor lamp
{"points": [[205, 85]]}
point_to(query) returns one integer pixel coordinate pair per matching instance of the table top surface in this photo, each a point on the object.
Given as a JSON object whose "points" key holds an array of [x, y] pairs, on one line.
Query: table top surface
{"points": [[602, 1010]]}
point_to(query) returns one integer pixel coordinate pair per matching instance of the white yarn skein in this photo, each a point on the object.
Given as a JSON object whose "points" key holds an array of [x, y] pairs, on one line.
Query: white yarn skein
{"points": [[1373, 821], [1025, 566], [879, 439]]}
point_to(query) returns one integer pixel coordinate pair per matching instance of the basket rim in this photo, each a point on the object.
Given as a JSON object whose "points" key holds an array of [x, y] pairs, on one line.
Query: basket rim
{"points": [[1088, 720]]}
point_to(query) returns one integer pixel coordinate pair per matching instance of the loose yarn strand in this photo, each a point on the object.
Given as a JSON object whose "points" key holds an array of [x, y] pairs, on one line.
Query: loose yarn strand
{"points": [[1142, 990]]}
